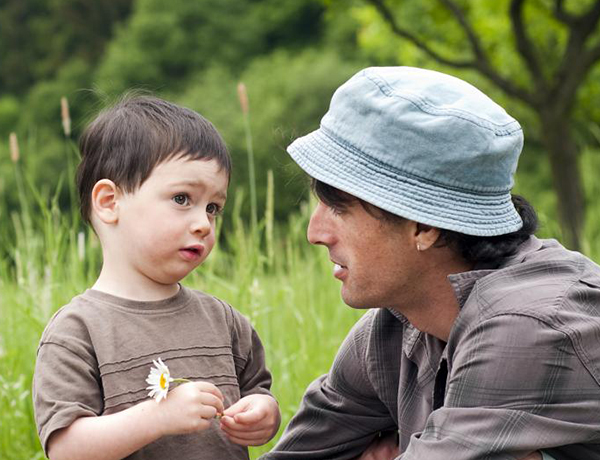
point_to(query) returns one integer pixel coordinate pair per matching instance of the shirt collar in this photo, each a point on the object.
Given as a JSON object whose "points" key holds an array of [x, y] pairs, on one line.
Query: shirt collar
{"points": [[463, 283], [410, 334]]}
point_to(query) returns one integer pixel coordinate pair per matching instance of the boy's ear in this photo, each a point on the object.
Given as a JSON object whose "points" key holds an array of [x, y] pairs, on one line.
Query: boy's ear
{"points": [[104, 201]]}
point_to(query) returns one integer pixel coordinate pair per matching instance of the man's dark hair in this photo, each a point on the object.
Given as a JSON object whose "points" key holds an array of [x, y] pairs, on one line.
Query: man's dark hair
{"points": [[474, 249], [339, 200], [126, 141]]}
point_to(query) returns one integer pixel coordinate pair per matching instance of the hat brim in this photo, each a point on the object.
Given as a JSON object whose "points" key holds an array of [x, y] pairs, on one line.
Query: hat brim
{"points": [[411, 197]]}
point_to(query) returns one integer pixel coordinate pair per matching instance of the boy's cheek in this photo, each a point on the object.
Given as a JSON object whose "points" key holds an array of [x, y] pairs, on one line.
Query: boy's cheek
{"points": [[209, 245]]}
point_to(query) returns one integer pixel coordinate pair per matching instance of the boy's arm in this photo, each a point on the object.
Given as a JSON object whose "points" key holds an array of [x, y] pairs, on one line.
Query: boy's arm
{"points": [[188, 408], [249, 357], [255, 418]]}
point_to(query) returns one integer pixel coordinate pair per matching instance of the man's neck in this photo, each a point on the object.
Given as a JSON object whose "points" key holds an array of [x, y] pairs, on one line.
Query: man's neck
{"points": [[435, 307]]}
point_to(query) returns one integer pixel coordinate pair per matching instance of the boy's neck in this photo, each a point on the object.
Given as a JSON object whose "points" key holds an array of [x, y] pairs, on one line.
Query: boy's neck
{"points": [[141, 290]]}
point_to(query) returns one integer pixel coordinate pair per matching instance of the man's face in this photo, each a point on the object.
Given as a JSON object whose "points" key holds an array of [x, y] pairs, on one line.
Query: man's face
{"points": [[166, 227], [376, 260]]}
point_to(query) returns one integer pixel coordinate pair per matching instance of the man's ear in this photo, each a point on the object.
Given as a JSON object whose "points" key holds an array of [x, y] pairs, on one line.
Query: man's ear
{"points": [[426, 236], [104, 200]]}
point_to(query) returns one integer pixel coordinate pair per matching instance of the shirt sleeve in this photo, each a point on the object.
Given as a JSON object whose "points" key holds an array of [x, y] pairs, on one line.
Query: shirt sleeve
{"points": [[516, 385], [65, 383], [249, 356], [340, 413]]}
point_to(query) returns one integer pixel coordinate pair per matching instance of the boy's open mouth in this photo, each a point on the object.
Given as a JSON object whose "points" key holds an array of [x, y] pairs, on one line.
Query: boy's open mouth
{"points": [[192, 252]]}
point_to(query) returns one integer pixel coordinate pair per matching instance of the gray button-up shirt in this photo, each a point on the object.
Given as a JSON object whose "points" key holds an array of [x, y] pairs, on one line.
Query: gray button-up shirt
{"points": [[520, 372]]}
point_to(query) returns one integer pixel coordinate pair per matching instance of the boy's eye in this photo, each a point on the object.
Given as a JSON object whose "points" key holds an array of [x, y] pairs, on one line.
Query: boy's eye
{"points": [[181, 199], [213, 208]]}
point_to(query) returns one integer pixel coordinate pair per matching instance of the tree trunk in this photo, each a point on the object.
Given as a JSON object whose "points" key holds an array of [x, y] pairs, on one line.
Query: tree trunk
{"points": [[563, 153]]}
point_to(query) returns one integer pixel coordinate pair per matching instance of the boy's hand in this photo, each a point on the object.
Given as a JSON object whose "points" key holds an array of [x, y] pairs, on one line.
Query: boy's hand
{"points": [[252, 421], [189, 408]]}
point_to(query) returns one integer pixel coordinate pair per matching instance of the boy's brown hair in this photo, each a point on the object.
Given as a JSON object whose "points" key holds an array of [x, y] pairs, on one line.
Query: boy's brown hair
{"points": [[126, 141]]}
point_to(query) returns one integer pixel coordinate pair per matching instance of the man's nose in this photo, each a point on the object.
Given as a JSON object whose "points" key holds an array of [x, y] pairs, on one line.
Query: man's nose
{"points": [[319, 228]]}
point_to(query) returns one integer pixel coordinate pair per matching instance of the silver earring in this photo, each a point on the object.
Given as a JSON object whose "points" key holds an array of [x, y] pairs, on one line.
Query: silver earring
{"points": [[419, 247]]}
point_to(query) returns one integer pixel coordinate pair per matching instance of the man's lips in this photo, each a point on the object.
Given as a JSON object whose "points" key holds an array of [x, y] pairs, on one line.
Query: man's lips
{"points": [[192, 252], [339, 270]]}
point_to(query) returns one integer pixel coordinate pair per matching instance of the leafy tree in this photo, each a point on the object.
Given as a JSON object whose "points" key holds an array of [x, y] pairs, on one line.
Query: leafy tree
{"points": [[164, 44], [38, 37], [538, 53]]}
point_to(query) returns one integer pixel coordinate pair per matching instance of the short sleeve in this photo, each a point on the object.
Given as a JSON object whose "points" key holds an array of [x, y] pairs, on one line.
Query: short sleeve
{"points": [[249, 357], [340, 413], [516, 385], [65, 383]]}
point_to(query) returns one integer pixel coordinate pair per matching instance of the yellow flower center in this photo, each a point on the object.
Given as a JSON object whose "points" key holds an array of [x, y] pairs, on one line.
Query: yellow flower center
{"points": [[163, 381]]}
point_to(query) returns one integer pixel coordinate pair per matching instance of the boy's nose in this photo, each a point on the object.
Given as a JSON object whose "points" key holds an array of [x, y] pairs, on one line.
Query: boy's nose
{"points": [[201, 224], [319, 231]]}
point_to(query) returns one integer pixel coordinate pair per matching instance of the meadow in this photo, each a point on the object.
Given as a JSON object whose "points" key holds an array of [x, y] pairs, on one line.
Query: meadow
{"points": [[264, 268]]}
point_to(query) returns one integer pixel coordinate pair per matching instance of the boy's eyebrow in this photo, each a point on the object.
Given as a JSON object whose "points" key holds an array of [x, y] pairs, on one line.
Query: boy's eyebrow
{"points": [[194, 183]]}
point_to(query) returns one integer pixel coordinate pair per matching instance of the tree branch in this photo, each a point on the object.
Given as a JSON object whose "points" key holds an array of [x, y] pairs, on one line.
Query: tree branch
{"points": [[561, 14], [403, 33], [576, 60], [587, 22], [481, 63], [466, 26], [524, 45]]}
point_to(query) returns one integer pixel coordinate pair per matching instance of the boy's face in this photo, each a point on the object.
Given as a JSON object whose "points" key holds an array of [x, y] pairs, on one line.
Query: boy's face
{"points": [[166, 228]]}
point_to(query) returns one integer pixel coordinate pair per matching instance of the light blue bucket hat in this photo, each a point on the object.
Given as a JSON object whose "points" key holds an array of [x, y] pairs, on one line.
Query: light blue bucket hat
{"points": [[422, 145]]}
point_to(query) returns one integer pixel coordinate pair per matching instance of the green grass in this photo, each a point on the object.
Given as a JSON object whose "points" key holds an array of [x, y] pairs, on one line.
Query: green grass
{"points": [[282, 284]]}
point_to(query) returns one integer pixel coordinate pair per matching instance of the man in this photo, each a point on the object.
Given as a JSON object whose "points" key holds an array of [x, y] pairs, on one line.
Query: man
{"points": [[482, 342]]}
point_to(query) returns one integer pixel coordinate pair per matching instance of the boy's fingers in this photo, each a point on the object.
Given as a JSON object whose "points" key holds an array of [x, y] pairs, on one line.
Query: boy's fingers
{"points": [[229, 424], [208, 412], [210, 400], [236, 408], [246, 439], [249, 417], [241, 442], [209, 388]]}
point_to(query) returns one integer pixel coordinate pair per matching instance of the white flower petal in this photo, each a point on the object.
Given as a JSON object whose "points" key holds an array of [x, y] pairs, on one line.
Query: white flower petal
{"points": [[158, 379]]}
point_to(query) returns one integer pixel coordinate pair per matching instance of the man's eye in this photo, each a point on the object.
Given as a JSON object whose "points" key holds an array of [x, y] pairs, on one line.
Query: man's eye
{"points": [[181, 199], [213, 209], [337, 210]]}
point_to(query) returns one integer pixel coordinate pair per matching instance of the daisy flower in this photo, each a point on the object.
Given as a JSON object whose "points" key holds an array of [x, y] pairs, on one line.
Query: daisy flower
{"points": [[159, 379]]}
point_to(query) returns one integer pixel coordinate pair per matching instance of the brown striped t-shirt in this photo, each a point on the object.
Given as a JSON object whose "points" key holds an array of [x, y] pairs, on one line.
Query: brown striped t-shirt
{"points": [[96, 352]]}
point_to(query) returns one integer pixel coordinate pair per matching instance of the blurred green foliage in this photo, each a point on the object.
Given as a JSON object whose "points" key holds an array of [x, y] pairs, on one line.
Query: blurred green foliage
{"points": [[291, 56], [193, 53]]}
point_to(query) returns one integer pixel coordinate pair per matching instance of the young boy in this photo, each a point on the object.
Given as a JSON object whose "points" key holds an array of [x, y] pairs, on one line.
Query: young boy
{"points": [[152, 179]]}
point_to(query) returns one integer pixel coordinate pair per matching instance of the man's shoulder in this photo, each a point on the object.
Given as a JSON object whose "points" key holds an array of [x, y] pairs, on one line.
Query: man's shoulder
{"points": [[538, 284]]}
